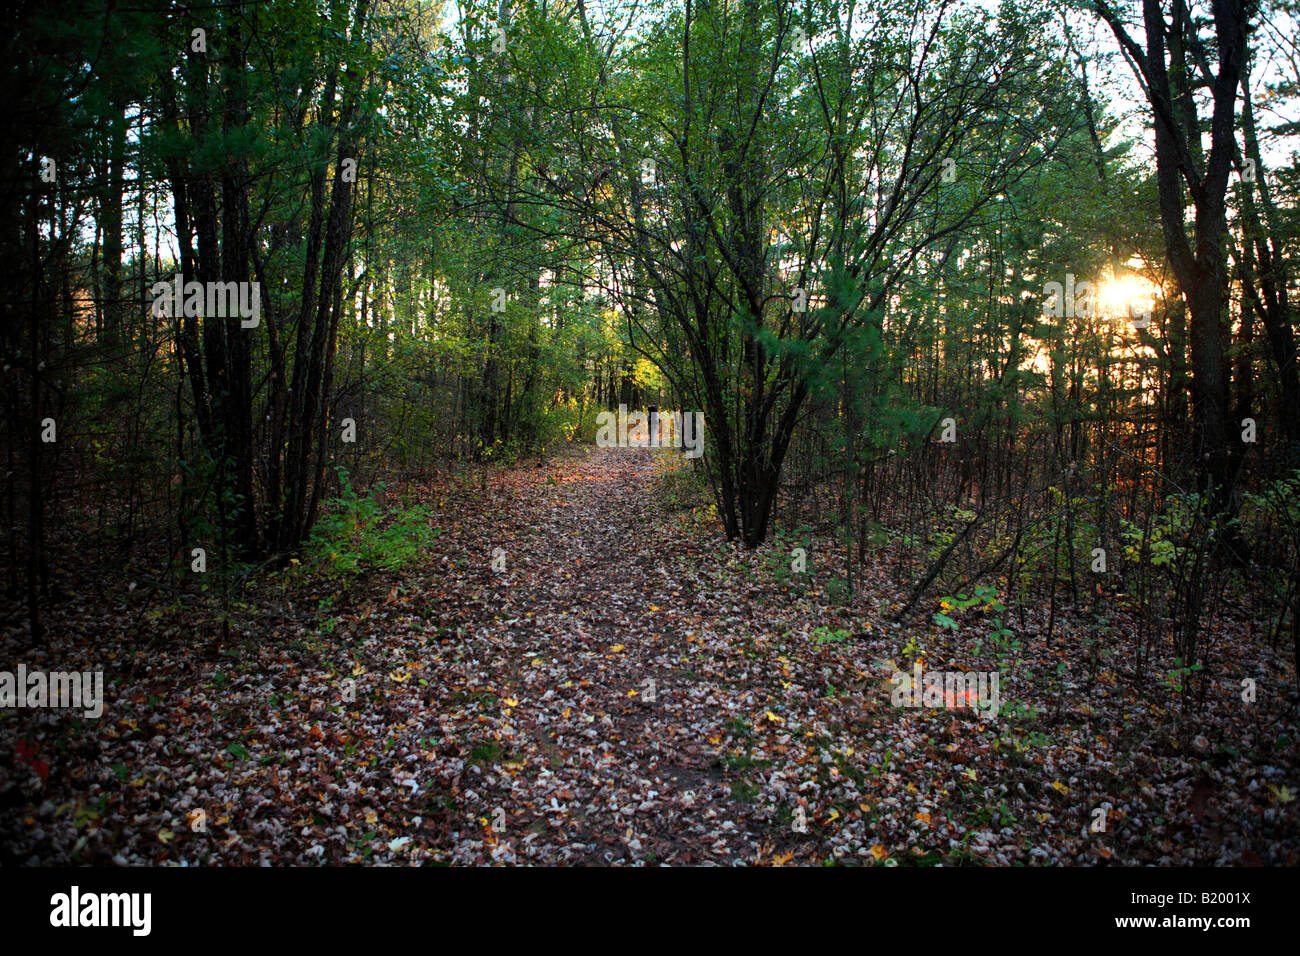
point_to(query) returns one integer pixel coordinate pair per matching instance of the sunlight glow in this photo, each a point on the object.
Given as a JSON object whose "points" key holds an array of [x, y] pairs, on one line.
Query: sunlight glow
{"points": [[1115, 296]]}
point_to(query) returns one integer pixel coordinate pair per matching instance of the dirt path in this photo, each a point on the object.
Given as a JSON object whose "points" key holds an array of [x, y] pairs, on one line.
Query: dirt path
{"points": [[596, 629]]}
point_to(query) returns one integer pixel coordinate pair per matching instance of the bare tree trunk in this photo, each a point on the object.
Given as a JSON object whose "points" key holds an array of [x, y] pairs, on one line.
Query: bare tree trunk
{"points": [[1198, 263]]}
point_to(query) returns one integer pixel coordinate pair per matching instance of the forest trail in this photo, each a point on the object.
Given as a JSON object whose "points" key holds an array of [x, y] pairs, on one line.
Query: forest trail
{"points": [[597, 628], [446, 711], [322, 309]]}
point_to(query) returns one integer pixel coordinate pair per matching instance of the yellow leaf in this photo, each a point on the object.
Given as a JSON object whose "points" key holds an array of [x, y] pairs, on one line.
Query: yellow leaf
{"points": [[879, 852], [969, 773], [924, 817], [774, 718], [510, 702], [834, 815], [631, 693], [357, 670], [1060, 787], [616, 648], [398, 676], [165, 835]]}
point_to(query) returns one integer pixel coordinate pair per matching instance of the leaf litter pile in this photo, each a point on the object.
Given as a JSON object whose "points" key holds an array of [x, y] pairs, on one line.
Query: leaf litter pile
{"points": [[629, 689]]}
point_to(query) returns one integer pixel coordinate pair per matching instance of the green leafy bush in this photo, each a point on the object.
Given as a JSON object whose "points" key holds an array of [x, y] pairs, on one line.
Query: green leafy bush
{"points": [[1165, 541], [356, 533]]}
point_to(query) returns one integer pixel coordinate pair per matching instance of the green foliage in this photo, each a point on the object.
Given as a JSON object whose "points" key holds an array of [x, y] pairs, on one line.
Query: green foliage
{"points": [[1278, 500], [1167, 539], [984, 600], [355, 533], [943, 620], [826, 635], [983, 594], [1178, 675]]}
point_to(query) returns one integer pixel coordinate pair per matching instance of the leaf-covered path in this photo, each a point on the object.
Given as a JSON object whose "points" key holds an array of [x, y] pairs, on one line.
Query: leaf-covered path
{"points": [[628, 689]]}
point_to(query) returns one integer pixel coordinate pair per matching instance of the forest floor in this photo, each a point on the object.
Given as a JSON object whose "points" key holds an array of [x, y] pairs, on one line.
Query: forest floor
{"points": [[631, 689]]}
